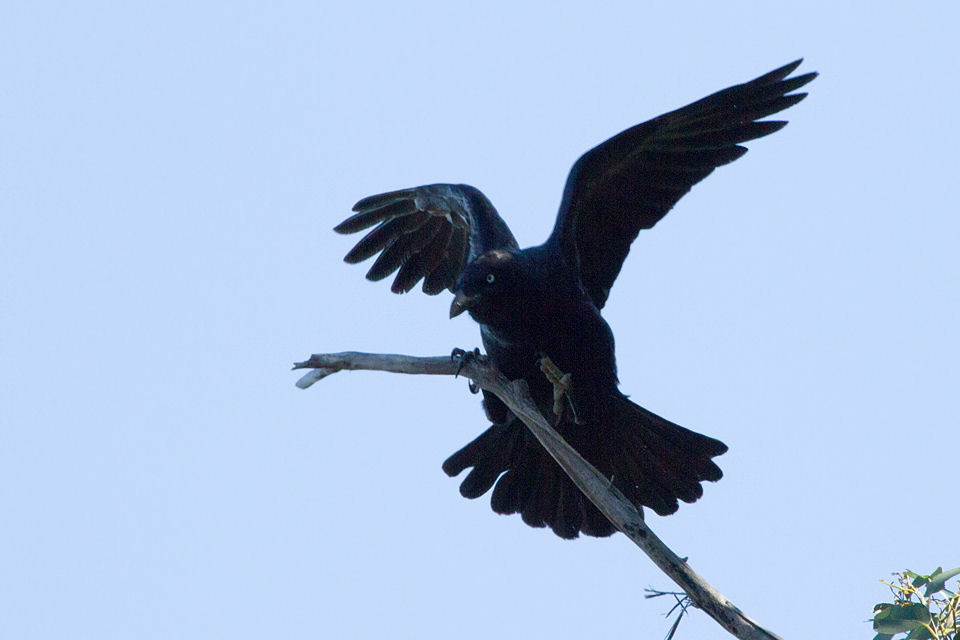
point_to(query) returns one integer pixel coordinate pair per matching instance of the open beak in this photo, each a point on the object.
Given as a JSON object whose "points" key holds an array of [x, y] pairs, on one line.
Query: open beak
{"points": [[461, 302]]}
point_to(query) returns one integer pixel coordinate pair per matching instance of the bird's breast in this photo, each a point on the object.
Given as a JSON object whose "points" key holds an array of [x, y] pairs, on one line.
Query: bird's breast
{"points": [[574, 336]]}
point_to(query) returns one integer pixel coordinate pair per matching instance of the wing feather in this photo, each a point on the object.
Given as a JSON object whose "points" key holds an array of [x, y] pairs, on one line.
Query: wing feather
{"points": [[632, 180], [427, 232], [423, 259], [377, 213], [378, 239], [445, 274]]}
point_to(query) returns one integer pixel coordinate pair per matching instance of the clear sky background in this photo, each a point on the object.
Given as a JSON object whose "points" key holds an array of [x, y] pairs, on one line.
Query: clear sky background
{"points": [[169, 177]]}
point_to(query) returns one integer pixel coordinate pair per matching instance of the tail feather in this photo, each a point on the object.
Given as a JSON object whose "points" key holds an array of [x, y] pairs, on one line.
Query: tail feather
{"points": [[547, 495], [569, 513], [672, 459], [594, 523], [652, 461], [683, 439], [490, 453], [506, 495], [478, 481]]}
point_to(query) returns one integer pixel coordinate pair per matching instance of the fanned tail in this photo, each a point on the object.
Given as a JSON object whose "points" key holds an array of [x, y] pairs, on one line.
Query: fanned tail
{"points": [[652, 461], [528, 481]]}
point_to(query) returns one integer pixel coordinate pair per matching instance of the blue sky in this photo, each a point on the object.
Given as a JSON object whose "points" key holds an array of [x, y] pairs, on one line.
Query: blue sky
{"points": [[169, 177]]}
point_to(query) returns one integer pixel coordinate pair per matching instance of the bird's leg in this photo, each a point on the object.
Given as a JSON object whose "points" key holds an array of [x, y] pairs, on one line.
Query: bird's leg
{"points": [[465, 357], [562, 384]]}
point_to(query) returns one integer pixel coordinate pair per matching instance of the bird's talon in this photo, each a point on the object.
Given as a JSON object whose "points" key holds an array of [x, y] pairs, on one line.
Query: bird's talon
{"points": [[459, 354], [465, 357]]}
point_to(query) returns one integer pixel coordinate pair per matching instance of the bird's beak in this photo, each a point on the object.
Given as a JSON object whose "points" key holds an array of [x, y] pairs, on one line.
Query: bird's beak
{"points": [[461, 302]]}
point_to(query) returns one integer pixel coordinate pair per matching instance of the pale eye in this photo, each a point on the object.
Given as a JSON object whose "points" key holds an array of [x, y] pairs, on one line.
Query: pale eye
{"points": [[490, 278]]}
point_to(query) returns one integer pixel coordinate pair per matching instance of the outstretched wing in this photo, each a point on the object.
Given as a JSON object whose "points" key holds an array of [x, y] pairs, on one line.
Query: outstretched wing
{"points": [[428, 233], [632, 180]]}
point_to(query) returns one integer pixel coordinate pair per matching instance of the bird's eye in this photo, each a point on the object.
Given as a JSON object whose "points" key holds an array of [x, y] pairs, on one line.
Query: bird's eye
{"points": [[490, 278]]}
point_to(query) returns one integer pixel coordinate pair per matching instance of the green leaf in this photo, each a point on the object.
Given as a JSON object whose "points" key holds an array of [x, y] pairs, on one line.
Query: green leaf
{"points": [[939, 579], [918, 580], [883, 636], [920, 633], [901, 618]]}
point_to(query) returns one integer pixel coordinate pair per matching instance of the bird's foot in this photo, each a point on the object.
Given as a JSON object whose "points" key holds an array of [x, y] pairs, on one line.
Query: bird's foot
{"points": [[464, 357], [562, 385]]}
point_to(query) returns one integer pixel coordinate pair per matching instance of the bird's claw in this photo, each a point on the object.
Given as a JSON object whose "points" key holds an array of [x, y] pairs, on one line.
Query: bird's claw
{"points": [[465, 357], [562, 385]]}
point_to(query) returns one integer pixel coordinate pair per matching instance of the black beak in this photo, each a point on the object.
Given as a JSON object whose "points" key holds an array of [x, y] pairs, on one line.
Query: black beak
{"points": [[461, 302]]}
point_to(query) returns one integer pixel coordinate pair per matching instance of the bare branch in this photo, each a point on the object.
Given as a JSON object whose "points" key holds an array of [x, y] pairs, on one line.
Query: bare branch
{"points": [[594, 485]]}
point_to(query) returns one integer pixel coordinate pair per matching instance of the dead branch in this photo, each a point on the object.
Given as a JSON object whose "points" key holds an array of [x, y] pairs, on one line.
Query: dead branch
{"points": [[594, 485]]}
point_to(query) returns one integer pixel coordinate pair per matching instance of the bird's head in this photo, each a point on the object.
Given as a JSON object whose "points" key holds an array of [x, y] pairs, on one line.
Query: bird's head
{"points": [[489, 287]]}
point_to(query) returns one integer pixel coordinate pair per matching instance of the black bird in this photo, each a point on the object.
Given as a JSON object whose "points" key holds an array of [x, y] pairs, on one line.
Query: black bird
{"points": [[541, 305]]}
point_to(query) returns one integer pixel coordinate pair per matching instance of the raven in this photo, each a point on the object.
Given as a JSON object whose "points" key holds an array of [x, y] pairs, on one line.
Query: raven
{"points": [[539, 308]]}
